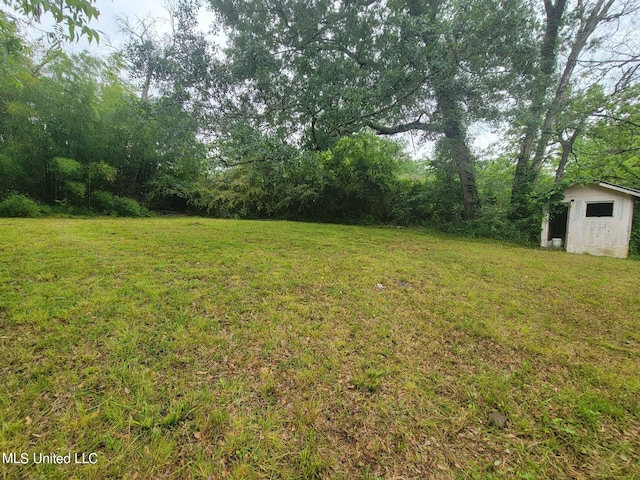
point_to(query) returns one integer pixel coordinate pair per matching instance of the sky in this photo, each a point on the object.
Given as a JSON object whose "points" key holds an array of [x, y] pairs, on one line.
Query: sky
{"points": [[107, 26], [110, 9]]}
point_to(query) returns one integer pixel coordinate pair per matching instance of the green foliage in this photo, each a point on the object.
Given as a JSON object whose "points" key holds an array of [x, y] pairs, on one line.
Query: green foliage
{"points": [[109, 204], [446, 197], [71, 126], [75, 190], [609, 148], [361, 178], [431, 67], [67, 168], [259, 176], [354, 182], [10, 173], [494, 223], [67, 175], [18, 205], [289, 187], [170, 193], [101, 171], [412, 203], [494, 181], [74, 14], [103, 202], [128, 207]]}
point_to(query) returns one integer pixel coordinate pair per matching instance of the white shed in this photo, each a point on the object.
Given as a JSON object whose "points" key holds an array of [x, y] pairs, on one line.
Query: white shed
{"points": [[597, 220]]}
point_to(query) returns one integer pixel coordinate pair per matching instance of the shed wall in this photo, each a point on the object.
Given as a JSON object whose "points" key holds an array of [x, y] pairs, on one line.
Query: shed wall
{"points": [[598, 235]]}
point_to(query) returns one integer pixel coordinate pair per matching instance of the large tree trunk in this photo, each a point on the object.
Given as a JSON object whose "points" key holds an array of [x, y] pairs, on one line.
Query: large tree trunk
{"points": [[456, 135], [567, 149]]}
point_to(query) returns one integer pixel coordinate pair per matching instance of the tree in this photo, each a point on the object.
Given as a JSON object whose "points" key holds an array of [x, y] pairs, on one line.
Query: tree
{"points": [[54, 114], [76, 109], [333, 68], [571, 123], [180, 65], [567, 27], [609, 148], [175, 74], [144, 52]]}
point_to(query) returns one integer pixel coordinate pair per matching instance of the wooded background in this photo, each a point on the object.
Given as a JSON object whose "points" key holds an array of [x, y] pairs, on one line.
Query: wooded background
{"points": [[302, 110]]}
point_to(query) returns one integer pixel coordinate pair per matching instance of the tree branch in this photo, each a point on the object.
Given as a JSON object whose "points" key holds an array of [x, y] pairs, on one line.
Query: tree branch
{"points": [[617, 119], [431, 127]]}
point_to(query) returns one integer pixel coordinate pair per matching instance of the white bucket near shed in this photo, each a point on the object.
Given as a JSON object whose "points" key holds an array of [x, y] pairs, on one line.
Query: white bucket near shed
{"points": [[556, 243]]}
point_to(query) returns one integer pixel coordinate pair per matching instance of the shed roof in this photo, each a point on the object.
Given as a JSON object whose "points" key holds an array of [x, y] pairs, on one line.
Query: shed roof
{"points": [[618, 188]]}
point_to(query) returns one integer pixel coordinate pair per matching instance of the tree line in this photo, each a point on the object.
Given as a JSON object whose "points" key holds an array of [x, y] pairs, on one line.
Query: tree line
{"points": [[297, 113]]}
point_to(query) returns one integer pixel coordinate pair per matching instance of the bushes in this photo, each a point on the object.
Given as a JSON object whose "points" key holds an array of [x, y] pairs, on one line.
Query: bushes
{"points": [[288, 187], [128, 207], [361, 180], [412, 204], [18, 205], [109, 204], [105, 203], [494, 223]]}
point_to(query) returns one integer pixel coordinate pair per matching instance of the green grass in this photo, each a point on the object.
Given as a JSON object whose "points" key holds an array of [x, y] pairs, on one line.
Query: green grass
{"points": [[197, 348]]}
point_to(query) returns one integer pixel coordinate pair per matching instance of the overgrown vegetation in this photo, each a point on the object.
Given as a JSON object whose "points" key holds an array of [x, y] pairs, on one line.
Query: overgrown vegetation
{"points": [[199, 348], [17, 205], [246, 131]]}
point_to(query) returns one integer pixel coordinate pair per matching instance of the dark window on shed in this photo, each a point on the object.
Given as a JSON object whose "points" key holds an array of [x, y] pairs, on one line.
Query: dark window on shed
{"points": [[600, 209]]}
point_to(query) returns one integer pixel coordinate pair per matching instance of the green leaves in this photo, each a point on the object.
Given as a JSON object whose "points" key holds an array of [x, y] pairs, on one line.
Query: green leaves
{"points": [[361, 177], [609, 149], [75, 127], [74, 14], [67, 167]]}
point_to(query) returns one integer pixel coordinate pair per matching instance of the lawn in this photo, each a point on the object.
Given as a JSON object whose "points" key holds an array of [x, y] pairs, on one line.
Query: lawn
{"points": [[198, 348]]}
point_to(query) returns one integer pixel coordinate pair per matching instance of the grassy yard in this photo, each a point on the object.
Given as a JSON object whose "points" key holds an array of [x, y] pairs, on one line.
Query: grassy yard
{"points": [[196, 348]]}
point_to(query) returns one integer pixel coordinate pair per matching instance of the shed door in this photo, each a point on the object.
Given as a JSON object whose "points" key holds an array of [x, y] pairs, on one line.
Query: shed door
{"points": [[558, 223]]}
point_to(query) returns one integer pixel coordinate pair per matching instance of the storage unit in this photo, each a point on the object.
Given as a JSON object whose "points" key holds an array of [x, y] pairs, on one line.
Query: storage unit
{"points": [[597, 220]]}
